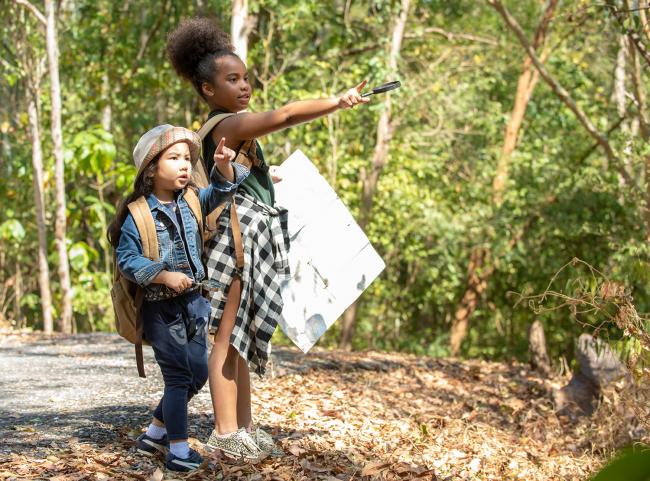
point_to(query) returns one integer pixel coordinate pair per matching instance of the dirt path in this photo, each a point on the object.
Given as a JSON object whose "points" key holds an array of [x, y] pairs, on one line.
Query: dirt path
{"points": [[70, 407]]}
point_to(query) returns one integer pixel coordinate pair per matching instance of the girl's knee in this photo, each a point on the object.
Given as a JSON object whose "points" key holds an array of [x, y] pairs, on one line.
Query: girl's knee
{"points": [[200, 376]]}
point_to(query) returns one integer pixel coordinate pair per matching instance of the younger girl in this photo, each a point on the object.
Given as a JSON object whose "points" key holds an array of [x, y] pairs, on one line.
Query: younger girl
{"points": [[174, 313], [244, 319]]}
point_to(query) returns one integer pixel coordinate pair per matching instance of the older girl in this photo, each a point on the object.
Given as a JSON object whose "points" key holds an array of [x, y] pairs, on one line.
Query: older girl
{"points": [[243, 318]]}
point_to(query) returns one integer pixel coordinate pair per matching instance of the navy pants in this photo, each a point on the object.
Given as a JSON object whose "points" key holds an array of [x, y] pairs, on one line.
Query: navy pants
{"points": [[177, 331]]}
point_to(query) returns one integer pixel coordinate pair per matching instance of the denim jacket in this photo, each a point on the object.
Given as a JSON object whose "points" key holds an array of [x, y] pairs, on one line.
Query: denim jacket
{"points": [[174, 241]]}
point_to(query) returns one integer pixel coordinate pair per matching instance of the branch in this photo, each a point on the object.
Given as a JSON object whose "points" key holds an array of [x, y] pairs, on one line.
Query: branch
{"points": [[150, 34], [619, 15], [615, 126], [356, 51], [542, 28], [453, 36], [561, 93], [29, 6]]}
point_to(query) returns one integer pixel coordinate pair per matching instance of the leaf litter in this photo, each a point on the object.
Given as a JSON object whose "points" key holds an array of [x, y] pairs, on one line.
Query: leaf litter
{"points": [[360, 416]]}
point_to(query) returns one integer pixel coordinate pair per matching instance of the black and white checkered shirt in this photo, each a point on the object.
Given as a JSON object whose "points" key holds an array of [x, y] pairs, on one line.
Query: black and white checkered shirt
{"points": [[265, 240]]}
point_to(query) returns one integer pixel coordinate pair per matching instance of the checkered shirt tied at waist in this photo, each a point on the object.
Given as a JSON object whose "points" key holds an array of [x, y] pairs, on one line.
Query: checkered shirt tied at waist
{"points": [[265, 241]]}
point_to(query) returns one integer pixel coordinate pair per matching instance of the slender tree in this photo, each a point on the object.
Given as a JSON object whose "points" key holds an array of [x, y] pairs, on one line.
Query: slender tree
{"points": [[239, 28], [52, 46], [478, 270], [370, 178], [33, 76], [37, 163], [33, 69]]}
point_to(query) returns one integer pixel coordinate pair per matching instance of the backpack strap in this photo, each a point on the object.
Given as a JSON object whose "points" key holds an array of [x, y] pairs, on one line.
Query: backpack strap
{"points": [[246, 153], [236, 234], [211, 123], [147, 229], [139, 328], [211, 221], [195, 206], [199, 174], [246, 156]]}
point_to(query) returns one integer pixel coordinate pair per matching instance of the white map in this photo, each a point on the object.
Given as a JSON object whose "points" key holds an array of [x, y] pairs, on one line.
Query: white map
{"points": [[332, 261]]}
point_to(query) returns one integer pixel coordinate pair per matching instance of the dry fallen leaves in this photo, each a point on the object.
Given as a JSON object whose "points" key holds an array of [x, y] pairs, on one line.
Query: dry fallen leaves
{"points": [[366, 416]]}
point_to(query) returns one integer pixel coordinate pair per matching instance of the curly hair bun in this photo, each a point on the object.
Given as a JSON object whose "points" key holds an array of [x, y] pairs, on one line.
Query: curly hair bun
{"points": [[193, 40]]}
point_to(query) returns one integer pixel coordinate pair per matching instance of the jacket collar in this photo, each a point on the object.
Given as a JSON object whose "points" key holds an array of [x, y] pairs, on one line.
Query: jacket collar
{"points": [[155, 203]]}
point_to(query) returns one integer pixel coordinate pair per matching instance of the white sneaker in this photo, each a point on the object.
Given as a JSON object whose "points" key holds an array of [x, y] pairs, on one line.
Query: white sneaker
{"points": [[266, 443], [239, 446]]}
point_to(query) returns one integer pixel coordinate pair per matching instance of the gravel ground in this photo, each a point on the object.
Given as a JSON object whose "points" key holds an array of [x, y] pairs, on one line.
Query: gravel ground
{"points": [[53, 389], [85, 388]]}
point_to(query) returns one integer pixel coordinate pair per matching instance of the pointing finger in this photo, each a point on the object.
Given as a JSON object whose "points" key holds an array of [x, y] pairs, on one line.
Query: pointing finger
{"points": [[220, 146], [361, 86]]}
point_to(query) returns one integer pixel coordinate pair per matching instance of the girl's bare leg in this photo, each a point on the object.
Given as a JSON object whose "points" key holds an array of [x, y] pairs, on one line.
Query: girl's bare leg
{"points": [[223, 367], [244, 417]]}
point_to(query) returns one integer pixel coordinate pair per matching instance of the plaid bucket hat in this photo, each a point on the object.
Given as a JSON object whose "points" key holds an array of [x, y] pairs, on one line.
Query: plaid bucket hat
{"points": [[158, 139]]}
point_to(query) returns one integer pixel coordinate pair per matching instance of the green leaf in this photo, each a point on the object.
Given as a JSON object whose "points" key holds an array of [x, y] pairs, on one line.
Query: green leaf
{"points": [[80, 255], [630, 466], [12, 230]]}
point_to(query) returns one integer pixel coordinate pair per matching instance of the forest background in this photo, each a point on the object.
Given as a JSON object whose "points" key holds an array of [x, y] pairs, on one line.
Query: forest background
{"points": [[517, 144]]}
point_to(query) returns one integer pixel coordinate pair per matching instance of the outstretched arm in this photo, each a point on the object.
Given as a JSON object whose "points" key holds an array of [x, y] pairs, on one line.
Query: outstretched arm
{"points": [[247, 125]]}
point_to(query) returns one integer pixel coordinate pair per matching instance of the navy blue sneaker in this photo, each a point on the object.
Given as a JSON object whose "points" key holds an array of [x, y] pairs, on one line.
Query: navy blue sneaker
{"points": [[192, 462], [150, 446]]}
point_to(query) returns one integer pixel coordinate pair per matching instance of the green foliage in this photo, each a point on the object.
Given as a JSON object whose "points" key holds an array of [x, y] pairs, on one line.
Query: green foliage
{"points": [[434, 205], [12, 231], [631, 465]]}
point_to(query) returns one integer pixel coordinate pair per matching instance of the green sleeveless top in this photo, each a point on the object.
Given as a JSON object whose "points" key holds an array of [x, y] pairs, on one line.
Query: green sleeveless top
{"points": [[258, 184]]}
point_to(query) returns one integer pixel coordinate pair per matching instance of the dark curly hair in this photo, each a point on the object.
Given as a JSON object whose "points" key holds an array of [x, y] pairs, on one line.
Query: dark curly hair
{"points": [[193, 48]]}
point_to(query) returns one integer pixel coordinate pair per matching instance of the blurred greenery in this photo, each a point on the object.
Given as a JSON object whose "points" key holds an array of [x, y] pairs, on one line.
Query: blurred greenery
{"points": [[631, 465], [434, 203]]}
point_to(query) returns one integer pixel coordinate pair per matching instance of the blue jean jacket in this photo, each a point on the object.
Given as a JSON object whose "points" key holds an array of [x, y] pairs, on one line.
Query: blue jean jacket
{"points": [[175, 241]]}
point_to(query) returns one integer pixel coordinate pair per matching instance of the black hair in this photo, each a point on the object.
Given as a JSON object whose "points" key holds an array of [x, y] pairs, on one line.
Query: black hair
{"points": [[193, 48], [143, 186]]}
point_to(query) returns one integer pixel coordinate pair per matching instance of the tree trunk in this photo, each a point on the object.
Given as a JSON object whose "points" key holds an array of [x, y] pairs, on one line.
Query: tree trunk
{"points": [[477, 283], [477, 279], [561, 92], [379, 159], [18, 296], [59, 169], [620, 94], [525, 85], [348, 324], [37, 162], [239, 28], [644, 19], [107, 110], [539, 359], [644, 129]]}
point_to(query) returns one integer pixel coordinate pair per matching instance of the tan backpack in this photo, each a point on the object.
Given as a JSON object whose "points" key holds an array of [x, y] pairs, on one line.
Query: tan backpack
{"points": [[126, 295], [246, 156]]}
